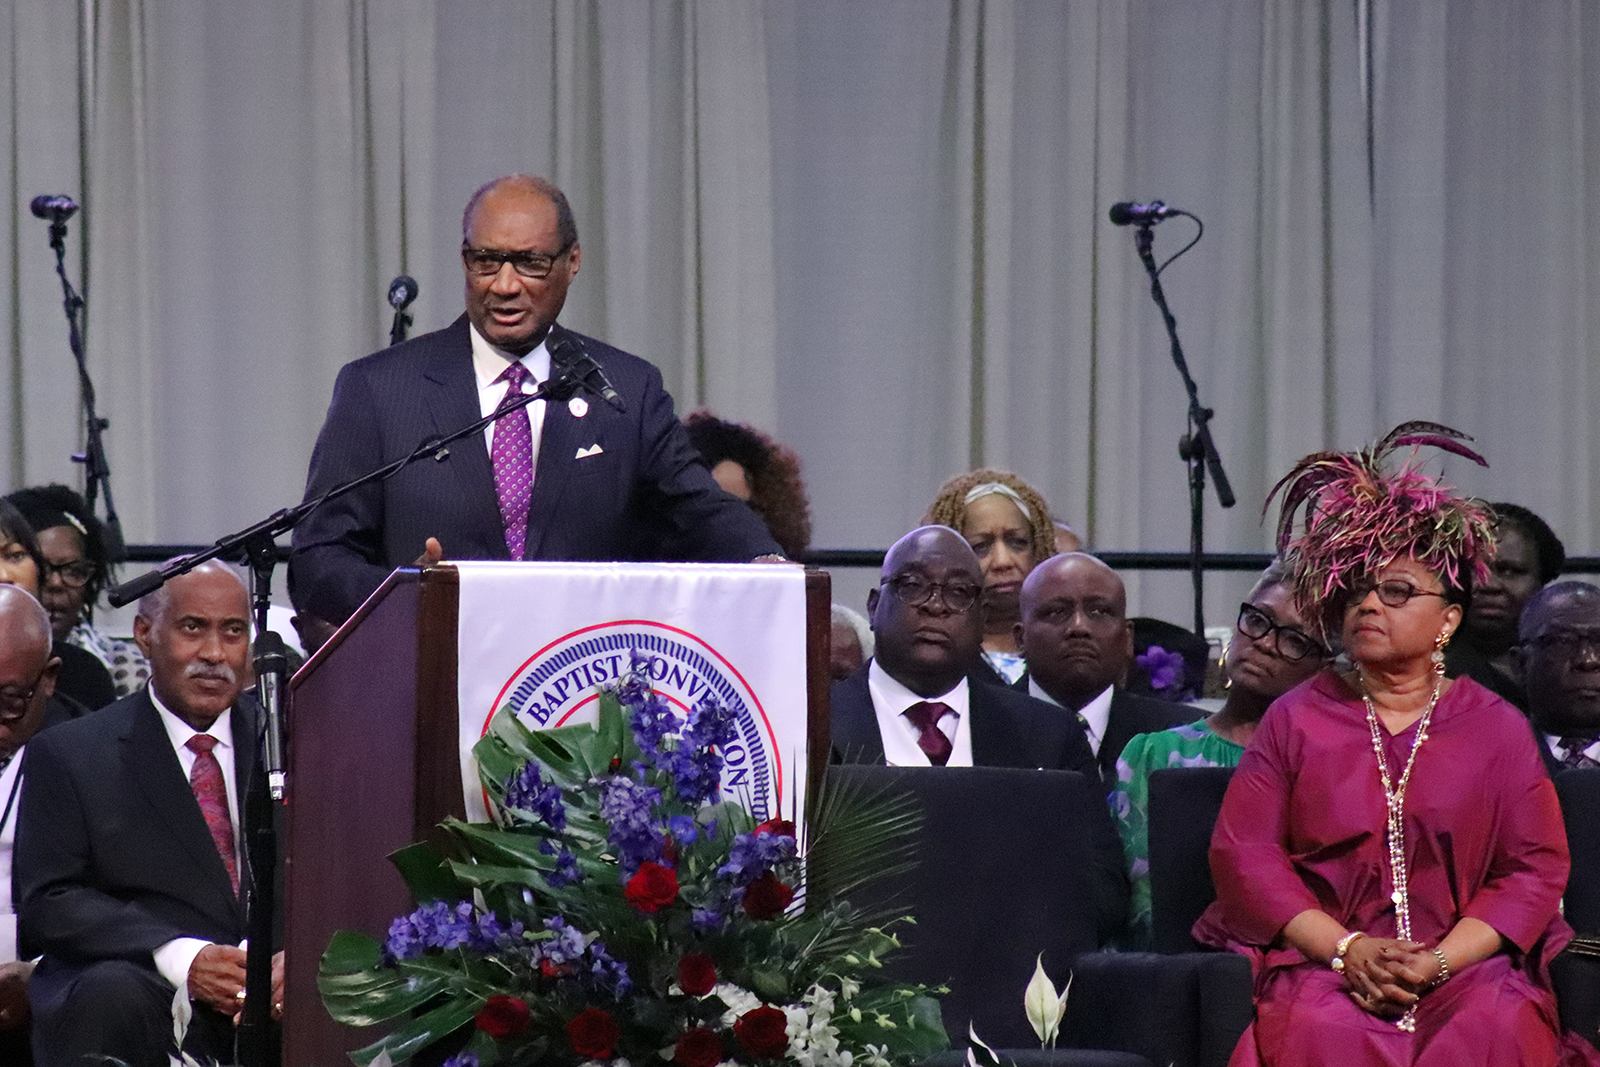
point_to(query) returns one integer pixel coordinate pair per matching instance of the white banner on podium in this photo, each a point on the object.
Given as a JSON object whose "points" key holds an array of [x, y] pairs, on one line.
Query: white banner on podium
{"points": [[542, 637]]}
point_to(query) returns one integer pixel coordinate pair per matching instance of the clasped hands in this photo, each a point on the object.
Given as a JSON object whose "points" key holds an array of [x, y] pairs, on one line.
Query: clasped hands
{"points": [[1386, 977], [216, 979]]}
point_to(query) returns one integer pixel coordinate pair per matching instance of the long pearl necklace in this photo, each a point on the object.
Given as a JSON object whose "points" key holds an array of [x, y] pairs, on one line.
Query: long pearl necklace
{"points": [[1394, 796]]}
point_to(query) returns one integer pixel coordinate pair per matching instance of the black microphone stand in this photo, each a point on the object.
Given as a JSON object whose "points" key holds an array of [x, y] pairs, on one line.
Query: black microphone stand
{"points": [[256, 545], [1195, 447], [97, 472]]}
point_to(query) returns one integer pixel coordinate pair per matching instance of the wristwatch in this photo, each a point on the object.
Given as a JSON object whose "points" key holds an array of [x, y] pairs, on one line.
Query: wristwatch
{"points": [[1337, 963]]}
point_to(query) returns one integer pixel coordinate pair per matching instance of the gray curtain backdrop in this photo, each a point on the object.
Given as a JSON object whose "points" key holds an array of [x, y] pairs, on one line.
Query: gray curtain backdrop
{"points": [[877, 230]]}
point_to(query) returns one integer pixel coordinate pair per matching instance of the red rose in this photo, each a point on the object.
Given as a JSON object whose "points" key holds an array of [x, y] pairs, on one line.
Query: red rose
{"points": [[781, 827], [652, 888], [700, 1047], [766, 897], [697, 975], [593, 1033], [502, 1017], [763, 1031]]}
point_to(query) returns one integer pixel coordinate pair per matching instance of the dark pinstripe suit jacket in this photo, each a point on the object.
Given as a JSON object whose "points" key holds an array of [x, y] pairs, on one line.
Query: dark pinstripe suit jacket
{"points": [[644, 495]]}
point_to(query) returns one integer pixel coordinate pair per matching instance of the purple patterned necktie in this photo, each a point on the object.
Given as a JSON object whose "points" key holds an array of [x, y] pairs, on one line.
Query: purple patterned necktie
{"points": [[205, 778], [925, 717], [512, 455], [1572, 752]]}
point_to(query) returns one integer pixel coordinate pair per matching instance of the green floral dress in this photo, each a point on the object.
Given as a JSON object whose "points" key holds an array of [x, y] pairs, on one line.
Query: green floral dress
{"points": [[1182, 746]]}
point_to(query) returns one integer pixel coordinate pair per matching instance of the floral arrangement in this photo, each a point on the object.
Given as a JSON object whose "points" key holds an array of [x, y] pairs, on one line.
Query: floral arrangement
{"points": [[618, 911], [1167, 673], [1358, 518]]}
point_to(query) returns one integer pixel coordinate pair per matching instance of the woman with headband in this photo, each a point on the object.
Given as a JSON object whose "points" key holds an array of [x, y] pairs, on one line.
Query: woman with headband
{"points": [[1390, 852], [1008, 525]]}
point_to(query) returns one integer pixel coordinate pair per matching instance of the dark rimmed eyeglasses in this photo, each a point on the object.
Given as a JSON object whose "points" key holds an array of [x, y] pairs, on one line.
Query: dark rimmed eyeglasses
{"points": [[1288, 642], [1568, 644], [74, 575], [486, 262], [1392, 591], [914, 591]]}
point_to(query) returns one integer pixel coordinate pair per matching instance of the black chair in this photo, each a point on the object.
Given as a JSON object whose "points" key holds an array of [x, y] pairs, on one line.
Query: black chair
{"points": [[1184, 805], [1177, 1005], [1004, 873]]}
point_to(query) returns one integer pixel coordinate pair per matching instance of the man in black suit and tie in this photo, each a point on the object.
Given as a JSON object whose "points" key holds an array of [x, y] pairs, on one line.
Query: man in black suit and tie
{"points": [[577, 480], [1557, 661], [1078, 643], [127, 857], [913, 703]]}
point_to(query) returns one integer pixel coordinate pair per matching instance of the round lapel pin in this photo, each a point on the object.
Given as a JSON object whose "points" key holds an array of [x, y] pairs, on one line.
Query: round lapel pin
{"points": [[578, 406]]}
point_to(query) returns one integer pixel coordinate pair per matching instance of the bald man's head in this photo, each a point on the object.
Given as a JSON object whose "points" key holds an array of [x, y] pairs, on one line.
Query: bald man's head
{"points": [[925, 616], [27, 670], [1074, 631]]}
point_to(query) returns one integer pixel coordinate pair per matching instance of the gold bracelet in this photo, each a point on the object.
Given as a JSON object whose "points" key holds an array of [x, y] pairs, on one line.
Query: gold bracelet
{"points": [[1444, 970], [1343, 946]]}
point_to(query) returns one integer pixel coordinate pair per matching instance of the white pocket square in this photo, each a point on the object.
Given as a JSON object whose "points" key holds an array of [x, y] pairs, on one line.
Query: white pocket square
{"points": [[585, 453]]}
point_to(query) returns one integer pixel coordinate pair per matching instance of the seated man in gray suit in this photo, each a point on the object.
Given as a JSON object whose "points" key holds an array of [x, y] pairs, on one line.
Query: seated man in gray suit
{"points": [[1557, 661], [1078, 642], [913, 704]]}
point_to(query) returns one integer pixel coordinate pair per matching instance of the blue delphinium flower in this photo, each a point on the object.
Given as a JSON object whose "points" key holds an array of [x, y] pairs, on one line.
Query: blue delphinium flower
{"points": [[462, 1059], [434, 925], [608, 975], [708, 921], [566, 946], [566, 872], [527, 791], [683, 828], [753, 855], [695, 763], [489, 933], [629, 807]]}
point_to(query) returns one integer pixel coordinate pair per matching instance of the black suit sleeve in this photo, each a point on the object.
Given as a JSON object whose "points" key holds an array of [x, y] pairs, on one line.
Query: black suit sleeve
{"points": [[684, 514], [338, 550], [59, 912]]}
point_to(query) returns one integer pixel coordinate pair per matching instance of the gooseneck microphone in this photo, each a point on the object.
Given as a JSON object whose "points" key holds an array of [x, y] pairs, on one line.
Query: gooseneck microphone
{"points": [[567, 349], [1131, 214], [54, 208]]}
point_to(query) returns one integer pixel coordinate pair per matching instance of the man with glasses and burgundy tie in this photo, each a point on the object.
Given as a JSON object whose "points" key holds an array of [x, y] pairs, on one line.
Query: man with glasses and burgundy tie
{"points": [[1557, 661], [576, 480], [128, 851], [913, 704]]}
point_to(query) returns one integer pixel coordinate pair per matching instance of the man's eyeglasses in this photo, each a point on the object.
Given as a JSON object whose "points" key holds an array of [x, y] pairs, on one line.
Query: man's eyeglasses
{"points": [[1291, 644], [14, 705], [74, 575], [1567, 644], [486, 262], [1393, 592], [914, 591]]}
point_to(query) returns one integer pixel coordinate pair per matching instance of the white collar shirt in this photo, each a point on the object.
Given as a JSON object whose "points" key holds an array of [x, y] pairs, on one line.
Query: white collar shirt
{"points": [[1554, 741], [1094, 715], [10, 782], [890, 699]]}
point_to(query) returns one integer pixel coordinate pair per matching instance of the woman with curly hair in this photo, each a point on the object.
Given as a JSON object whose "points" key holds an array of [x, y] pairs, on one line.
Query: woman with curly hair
{"points": [[1390, 852], [1008, 525], [758, 470]]}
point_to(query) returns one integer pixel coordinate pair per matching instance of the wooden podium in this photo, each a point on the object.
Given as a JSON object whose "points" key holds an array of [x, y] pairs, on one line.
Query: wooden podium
{"points": [[374, 766]]}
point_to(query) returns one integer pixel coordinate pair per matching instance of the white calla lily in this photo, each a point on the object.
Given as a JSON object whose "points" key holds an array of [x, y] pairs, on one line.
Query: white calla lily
{"points": [[1044, 1006]]}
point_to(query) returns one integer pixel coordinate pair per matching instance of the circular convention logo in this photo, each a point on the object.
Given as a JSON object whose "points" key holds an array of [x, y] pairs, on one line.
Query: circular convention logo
{"points": [[559, 684]]}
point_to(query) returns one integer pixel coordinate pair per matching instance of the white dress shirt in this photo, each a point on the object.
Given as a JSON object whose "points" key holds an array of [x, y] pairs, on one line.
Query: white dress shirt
{"points": [[488, 363], [174, 958], [890, 700], [10, 781], [1553, 740], [1094, 715]]}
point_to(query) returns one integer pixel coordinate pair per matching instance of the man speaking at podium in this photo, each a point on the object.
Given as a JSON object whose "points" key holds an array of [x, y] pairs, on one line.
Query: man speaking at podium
{"points": [[578, 480]]}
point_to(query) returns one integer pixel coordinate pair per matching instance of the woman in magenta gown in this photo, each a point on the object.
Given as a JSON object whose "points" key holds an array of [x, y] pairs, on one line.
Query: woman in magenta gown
{"points": [[1390, 852]]}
